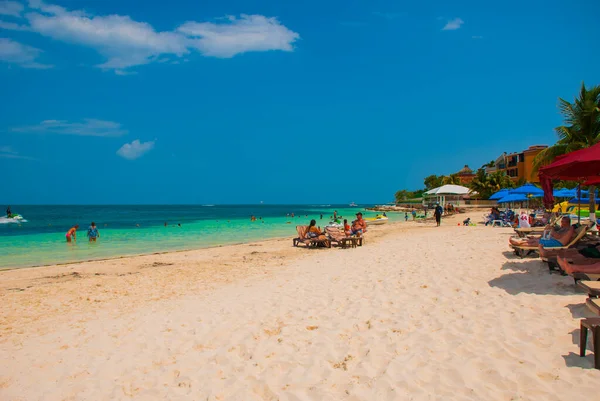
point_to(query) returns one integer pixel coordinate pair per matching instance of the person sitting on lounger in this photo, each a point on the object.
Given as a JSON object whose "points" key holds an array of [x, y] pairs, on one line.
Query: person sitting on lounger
{"points": [[359, 226], [556, 238], [313, 231]]}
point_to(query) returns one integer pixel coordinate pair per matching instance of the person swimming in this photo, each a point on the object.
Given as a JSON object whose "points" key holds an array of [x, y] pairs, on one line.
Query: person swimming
{"points": [[72, 233], [93, 233]]}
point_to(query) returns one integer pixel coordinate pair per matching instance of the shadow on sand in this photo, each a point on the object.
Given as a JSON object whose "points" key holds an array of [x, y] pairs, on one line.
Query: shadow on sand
{"points": [[532, 277]]}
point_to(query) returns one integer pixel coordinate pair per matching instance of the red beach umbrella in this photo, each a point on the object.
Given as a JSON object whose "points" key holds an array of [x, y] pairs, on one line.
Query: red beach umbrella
{"points": [[583, 164]]}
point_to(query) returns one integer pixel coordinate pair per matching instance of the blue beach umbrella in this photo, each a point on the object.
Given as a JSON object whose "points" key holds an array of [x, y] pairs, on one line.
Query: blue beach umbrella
{"points": [[582, 200], [565, 193], [513, 198], [528, 189], [500, 194]]}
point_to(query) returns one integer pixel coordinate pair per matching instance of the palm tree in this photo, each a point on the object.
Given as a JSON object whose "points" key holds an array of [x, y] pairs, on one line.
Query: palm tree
{"points": [[581, 130], [487, 184], [451, 179]]}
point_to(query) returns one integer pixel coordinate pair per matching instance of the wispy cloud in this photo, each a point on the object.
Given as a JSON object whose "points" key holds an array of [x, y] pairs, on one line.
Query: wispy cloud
{"points": [[453, 24], [11, 8], [89, 127], [387, 15], [17, 53], [7, 152], [135, 149], [125, 43]]}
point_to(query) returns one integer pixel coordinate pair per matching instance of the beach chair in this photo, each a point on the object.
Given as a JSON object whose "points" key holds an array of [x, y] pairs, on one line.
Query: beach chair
{"points": [[302, 238], [523, 250], [549, 255], [525, 232], [591, 287], [338, 236], [593, 304]]}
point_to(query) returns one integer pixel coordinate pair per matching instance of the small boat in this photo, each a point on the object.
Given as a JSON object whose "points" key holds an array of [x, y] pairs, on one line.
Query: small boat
{"points": [[376, 221], [14, 216], [352, 204]]}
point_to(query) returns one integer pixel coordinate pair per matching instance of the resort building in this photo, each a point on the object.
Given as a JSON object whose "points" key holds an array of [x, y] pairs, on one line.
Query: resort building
{"points": [[518, 165], [465, 175]]}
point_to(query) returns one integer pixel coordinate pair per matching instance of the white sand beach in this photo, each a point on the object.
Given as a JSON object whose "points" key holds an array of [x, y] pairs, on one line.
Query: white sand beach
{"points": [[418, 313]]}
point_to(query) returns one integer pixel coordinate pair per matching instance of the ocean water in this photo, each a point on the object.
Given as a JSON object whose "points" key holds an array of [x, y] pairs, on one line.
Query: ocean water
{"points": [[131, 230]]}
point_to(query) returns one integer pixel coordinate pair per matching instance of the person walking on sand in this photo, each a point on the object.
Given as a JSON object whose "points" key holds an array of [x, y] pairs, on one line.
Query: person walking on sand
{"points": [[93, 233], [72, 233], [438, 211], [414, 214], [405, 216]]}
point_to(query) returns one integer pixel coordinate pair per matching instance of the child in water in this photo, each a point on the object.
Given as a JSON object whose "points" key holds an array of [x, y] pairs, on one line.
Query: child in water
{"points": [[93, 233]]}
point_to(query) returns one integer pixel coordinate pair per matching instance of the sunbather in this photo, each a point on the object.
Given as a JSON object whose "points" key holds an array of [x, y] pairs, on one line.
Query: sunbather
{"points": [[313, 231], [556, 238], [359, 226]]}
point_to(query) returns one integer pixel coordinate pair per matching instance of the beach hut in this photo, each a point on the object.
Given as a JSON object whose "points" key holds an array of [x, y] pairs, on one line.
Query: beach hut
{"points": [[446, 194]]}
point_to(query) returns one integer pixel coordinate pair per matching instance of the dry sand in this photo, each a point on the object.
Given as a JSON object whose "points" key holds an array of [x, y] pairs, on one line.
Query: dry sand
{"points": [[418, 313]]}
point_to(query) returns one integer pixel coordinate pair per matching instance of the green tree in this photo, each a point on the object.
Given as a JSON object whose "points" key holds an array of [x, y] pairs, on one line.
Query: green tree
{"points": [[487, 184], [450, 179], [581, 129], [433, 181], [401, 195]]}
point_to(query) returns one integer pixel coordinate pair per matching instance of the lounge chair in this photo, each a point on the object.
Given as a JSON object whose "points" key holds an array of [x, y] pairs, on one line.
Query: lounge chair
{"points": [[593, 304], [591, 287], [522, 250], [338, 236], [525, 232], [302, 238]]}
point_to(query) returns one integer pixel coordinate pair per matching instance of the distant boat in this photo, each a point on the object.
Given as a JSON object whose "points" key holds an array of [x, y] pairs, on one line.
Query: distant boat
{"points": [[352, 204]]}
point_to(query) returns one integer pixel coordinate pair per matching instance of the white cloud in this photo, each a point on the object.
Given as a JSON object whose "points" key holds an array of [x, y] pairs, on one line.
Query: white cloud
{"points": [[89, 127], [453, 24], [7, 152], [239, 35], [135, 149], [125, 43], [11, 26], [11, 8], [20, 54]]}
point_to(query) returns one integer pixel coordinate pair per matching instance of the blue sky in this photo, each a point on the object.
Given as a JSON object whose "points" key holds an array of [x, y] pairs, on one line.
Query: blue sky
{"points": [[286, 102]]}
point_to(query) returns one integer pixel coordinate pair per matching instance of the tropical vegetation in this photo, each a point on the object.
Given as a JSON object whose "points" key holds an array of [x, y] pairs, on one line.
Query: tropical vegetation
{"points": [[581, 129]]}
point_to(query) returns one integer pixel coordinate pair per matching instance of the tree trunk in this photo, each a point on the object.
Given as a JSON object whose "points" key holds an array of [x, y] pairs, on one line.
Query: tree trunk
{"points": [[592, 189]]}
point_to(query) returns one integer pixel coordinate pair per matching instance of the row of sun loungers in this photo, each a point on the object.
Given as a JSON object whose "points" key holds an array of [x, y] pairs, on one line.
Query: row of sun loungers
{"points": [[569, 260], [333, 235]]}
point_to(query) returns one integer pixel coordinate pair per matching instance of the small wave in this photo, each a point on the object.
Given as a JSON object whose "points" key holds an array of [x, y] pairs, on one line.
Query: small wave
{"points": [[208, 205], [5, 220]]}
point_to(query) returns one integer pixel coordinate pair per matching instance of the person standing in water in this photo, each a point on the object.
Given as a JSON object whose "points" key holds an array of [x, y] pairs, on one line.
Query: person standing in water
{"points": [[93, 233], [8, 212], [72, 233]]}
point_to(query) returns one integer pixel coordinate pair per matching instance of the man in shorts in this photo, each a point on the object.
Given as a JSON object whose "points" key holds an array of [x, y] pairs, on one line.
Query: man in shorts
{"points": [[557, 238], [93, 233]]}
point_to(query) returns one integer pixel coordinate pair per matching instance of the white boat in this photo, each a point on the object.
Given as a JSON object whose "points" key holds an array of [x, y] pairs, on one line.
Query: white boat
{"points": [[376, 221], [352, 204]]}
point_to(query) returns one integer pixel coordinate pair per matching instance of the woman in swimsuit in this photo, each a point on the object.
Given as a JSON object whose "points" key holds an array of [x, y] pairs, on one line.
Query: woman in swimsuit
{"points": [[72, 233]]}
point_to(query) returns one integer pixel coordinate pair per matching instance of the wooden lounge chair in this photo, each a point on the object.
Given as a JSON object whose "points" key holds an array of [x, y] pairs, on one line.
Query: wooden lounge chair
{"points": [[338, 236], [302, 238], [525, 232], [579, 276], [591, 287], [593, 304], [523, 250]]}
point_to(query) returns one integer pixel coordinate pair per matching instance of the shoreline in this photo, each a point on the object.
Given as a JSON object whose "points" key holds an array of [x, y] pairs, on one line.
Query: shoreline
{"points": [[3, 269]]}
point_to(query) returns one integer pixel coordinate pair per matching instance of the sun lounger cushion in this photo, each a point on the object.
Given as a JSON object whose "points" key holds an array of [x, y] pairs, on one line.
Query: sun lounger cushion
{"points": [[591, 287], [594, 305], [593, 268]]}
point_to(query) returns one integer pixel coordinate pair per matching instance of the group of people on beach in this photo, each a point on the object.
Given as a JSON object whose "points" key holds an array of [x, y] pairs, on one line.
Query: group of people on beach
{"points": [[92, 233], [358, 227]]}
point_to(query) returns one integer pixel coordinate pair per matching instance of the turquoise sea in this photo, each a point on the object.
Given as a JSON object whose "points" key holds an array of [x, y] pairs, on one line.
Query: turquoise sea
{"points": [[131, 230]]}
